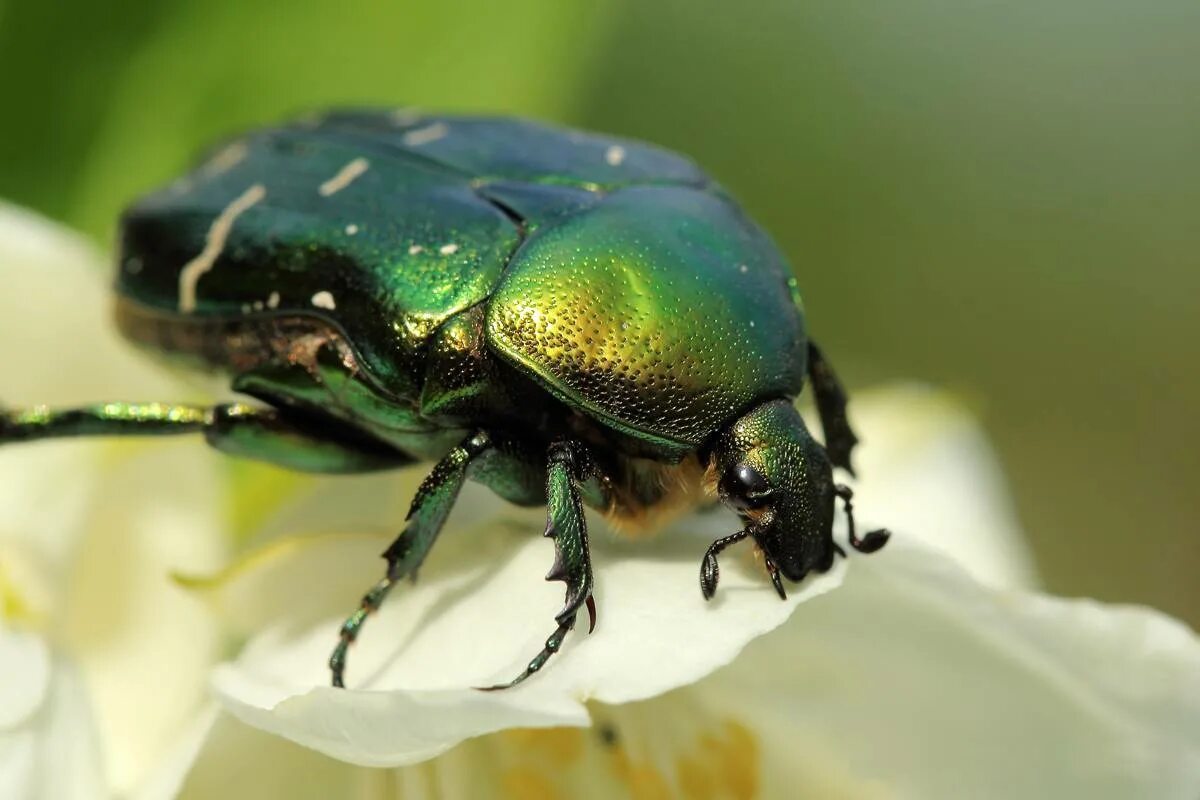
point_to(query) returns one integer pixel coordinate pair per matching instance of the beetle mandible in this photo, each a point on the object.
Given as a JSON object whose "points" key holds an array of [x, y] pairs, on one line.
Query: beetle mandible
{"points": [[568, 318]]}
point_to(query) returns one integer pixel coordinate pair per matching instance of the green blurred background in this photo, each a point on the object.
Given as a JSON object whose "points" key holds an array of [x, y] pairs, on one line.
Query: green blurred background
{"points": [[1002, 198]]}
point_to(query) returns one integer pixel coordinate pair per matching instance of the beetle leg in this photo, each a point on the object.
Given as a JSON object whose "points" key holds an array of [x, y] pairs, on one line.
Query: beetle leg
{"points": [[710, 570], [776, 581], [831, 405], [430, 507], [265, 434], [569, 463], [102, 419], [872, 540]]}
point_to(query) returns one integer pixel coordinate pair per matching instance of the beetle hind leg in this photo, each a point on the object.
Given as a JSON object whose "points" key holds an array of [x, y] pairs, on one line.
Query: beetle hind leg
{"points": [[831, 406], [101, 419], [264, 434], [566, 525]]}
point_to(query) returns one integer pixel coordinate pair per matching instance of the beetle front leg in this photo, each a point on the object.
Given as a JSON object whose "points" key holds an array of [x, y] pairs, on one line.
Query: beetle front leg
{"points": [[831, 406], [426, 516], [569, 464]]}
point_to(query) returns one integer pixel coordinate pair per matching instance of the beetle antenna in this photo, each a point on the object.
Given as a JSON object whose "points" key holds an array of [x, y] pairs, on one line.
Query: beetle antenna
{"points": [[870, 542], [709, 571]]}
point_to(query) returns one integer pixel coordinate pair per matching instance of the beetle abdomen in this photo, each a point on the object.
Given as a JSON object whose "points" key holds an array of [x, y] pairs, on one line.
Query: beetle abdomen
{"points": [[229, 345]]}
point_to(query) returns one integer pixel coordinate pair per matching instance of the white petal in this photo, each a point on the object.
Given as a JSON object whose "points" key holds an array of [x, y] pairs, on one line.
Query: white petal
{"points": [[478, 613], [96, 528], [87, 547], [666, 747], [48, 746], [61, 348], [914, 681], [55, 319], [165, 780], [234, 760], [146, 645], [910, 681], [290, 576], [927, 471], [27, 674], [45, 491], [29, 238]]}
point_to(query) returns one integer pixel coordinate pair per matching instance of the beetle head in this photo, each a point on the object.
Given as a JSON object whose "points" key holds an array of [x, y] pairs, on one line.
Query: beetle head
{"points": [[778, 479]]}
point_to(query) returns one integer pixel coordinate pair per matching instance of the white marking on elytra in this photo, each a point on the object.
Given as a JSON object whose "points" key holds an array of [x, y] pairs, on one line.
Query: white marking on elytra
{"points": [[430, 133], [227, 158], [614, 155], [351, 229], [324, 300], [448, 249], [742, 268], [344, 177], [416, 248], [133, 265], [218, 232], [406, 116], [258, 305], [273, 300]]}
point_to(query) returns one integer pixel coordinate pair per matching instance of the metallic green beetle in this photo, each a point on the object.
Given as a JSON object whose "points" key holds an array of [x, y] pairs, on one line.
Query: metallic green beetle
{"points": [[566, 318]]}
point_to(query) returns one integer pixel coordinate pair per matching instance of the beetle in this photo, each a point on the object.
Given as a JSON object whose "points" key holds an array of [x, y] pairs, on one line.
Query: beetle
{"points": [[567, 318]]}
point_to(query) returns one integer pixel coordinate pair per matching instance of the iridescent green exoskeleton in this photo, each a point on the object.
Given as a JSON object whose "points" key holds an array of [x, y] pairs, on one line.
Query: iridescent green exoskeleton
{"points": [[569, 319]]}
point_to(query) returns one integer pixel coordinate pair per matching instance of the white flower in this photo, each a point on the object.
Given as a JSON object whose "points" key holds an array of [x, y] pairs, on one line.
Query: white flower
{"points": [[927, 670], [95, 633], [44, 714]]}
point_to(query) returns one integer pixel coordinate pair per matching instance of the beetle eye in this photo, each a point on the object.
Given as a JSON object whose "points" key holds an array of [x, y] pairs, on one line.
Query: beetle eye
{"points": [[745, 487]]}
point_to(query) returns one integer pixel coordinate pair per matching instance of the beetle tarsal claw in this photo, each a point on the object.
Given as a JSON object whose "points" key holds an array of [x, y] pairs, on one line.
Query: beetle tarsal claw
{"points": [[872, 540], [591, 609], [710, 571], [552, 646], [776, 581]]}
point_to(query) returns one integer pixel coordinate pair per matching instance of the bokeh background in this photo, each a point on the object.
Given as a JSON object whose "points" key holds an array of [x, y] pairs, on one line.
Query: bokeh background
{"points": [[1001, 198]]}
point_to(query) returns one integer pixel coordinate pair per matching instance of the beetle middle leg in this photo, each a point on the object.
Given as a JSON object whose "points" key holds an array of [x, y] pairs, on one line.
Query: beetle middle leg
{"points": [[569, 464], [831, 406], [426, 516]]}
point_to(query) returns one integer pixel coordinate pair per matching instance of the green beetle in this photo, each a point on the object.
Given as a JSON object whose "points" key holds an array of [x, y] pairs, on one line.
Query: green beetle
{"points": [[564, 317]]}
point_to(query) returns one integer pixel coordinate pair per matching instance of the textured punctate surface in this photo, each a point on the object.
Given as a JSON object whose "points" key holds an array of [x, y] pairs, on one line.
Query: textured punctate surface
{"points": [[384, 224], [662, 310], [500, 148]]}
